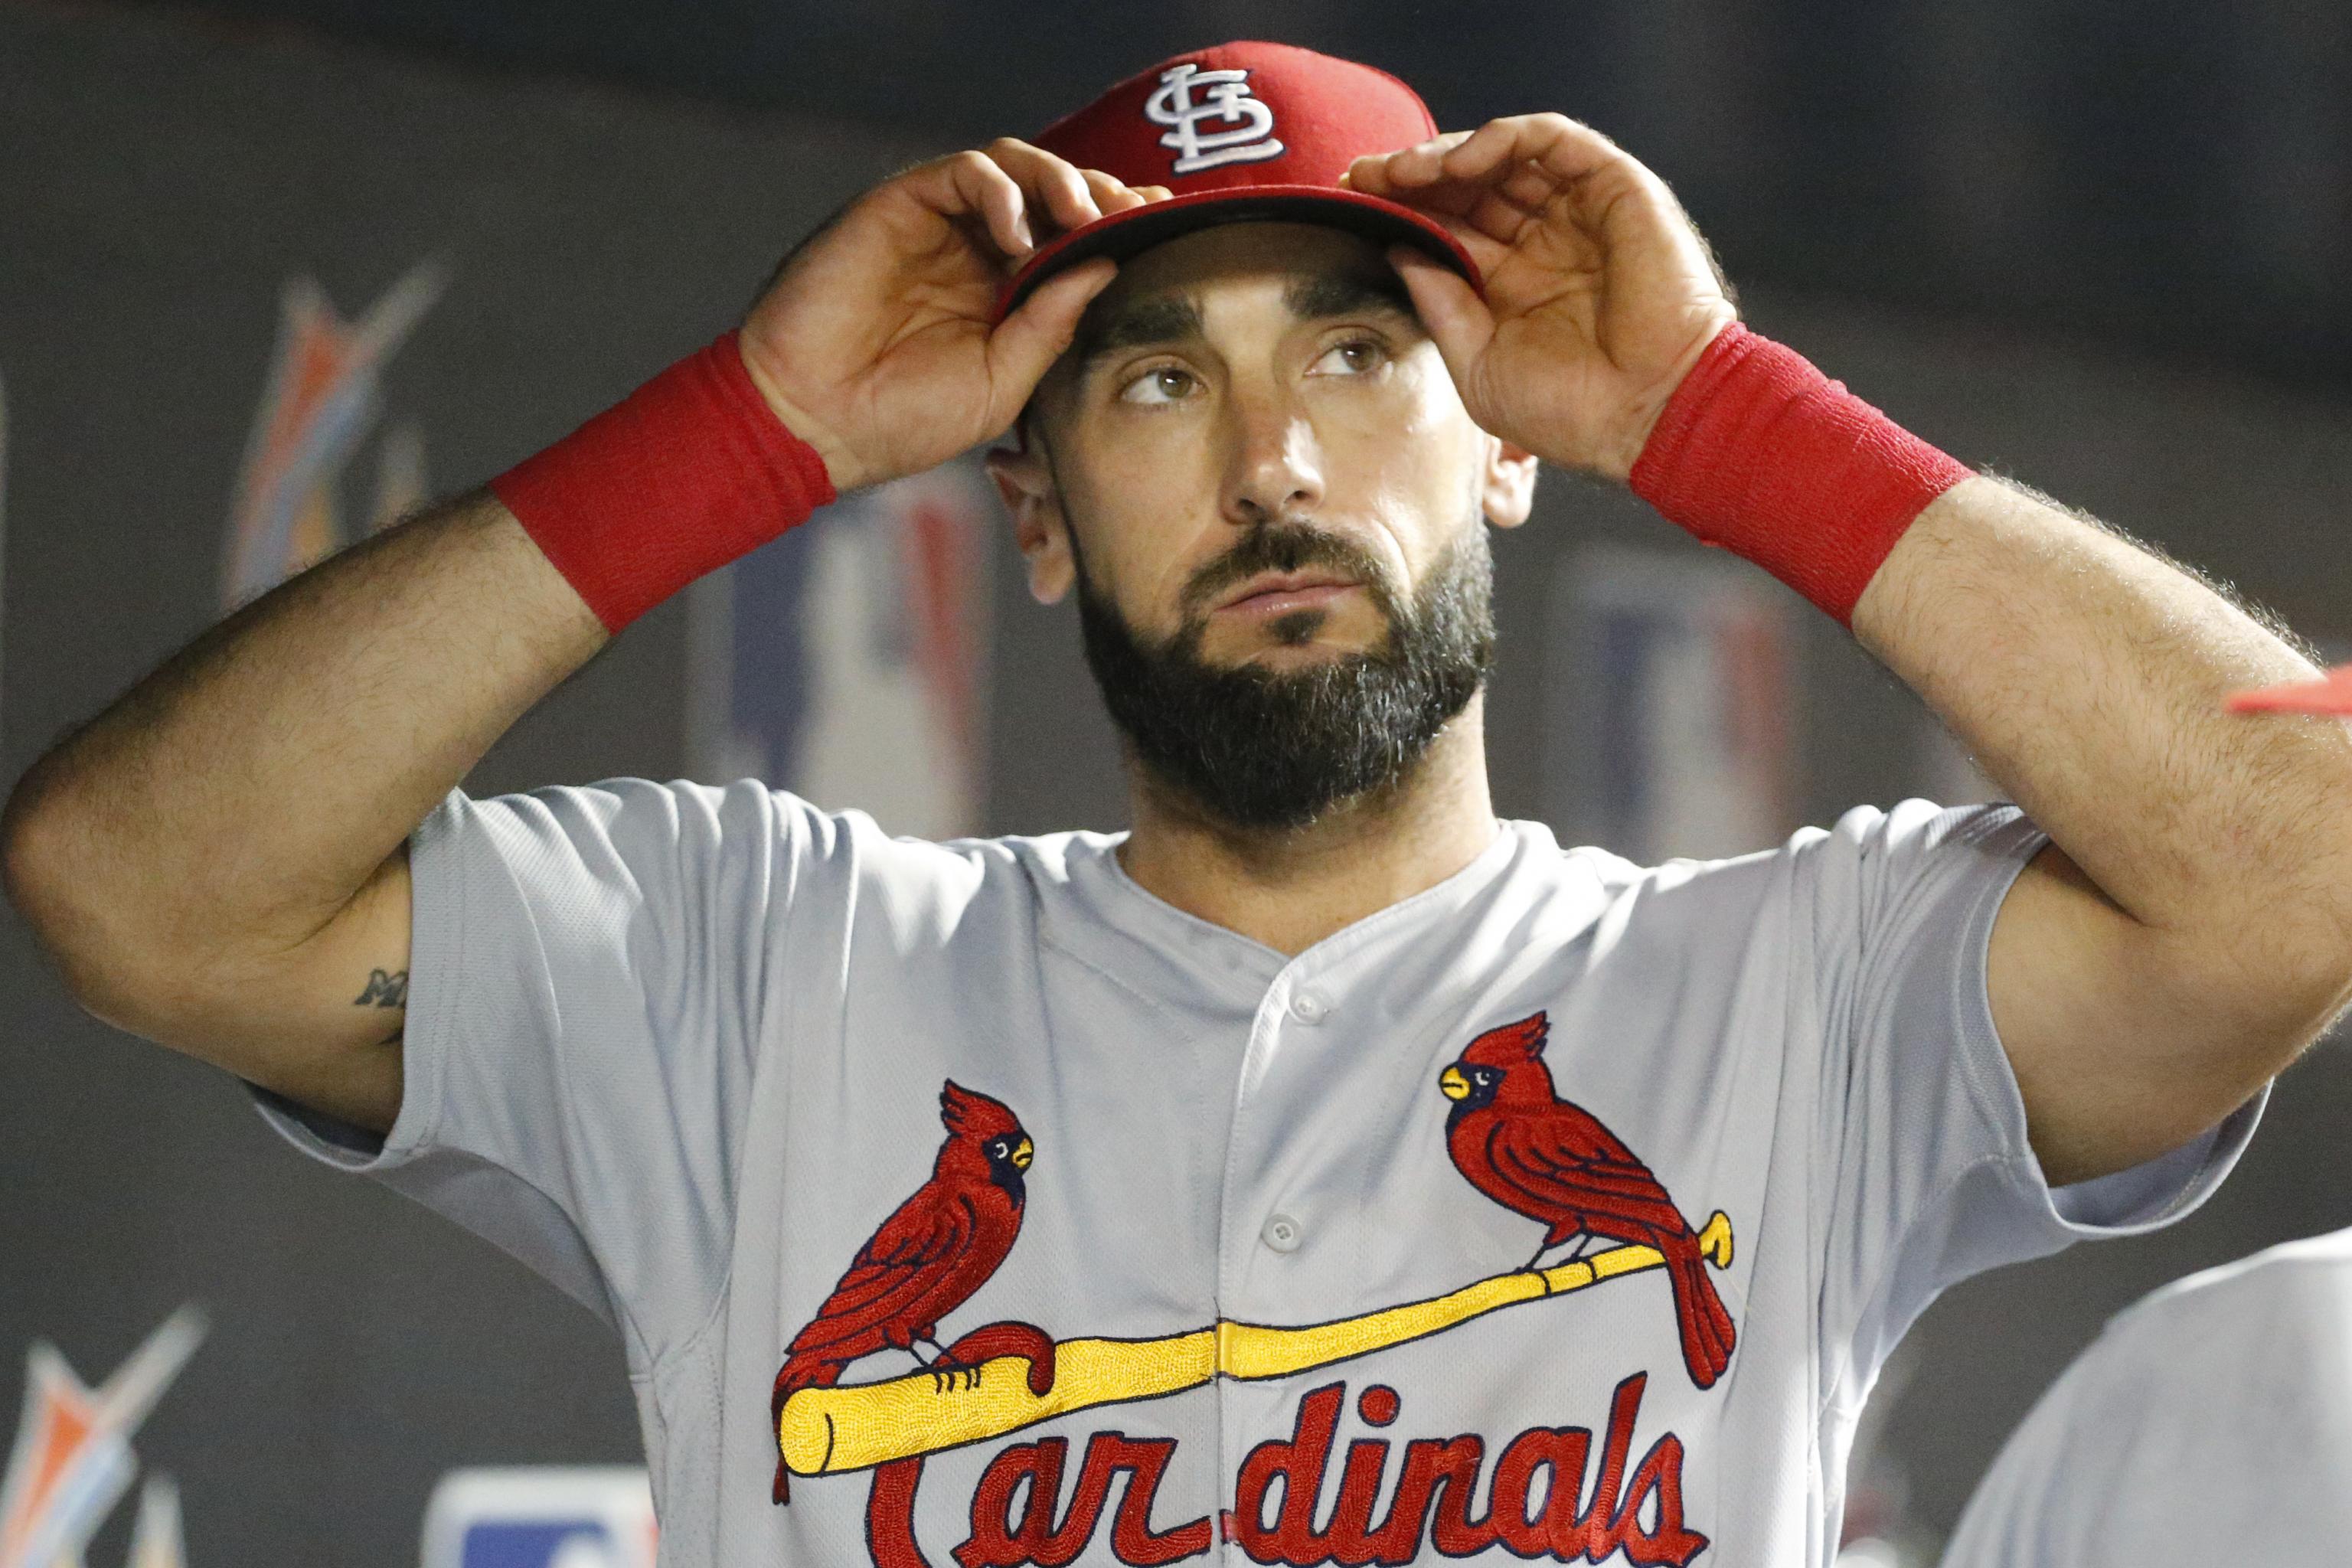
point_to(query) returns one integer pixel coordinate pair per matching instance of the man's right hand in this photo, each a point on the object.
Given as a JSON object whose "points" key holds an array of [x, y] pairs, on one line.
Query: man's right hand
{"points": [[876, 343]]}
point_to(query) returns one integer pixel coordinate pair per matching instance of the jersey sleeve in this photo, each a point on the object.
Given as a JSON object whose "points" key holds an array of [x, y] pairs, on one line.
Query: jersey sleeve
{"points": [[589, 973], [1923, 1174], [2218, 1412]]}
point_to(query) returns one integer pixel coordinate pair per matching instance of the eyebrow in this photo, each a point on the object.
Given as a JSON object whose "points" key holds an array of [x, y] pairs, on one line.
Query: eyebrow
{"points": [[1174, 318], [1139, 324], [1324, 294]]}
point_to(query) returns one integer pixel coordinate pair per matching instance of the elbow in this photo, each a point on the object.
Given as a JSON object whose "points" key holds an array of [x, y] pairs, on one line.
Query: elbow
{"points": [[2319, 1004], [36, 853], [53, 863], [2284, 986]]}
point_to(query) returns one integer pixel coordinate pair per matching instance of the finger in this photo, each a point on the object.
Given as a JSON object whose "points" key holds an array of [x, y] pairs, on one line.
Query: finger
{"points": [[1530, 189], [1505, 210], [1529, 186], [971, 184], [1457, 320], [1562, 148], [1451, 201], [1551, 147], [1385, 173], [1025, 343], [1054, 184], [1490, 208], [1152, 193], [1486, 253], [1111, 196], [1554, 168], [1497, 218], [1471, 208]]}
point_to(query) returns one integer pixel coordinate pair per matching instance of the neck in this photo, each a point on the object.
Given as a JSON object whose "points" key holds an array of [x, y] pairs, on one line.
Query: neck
{"points": [[1289, 889]]}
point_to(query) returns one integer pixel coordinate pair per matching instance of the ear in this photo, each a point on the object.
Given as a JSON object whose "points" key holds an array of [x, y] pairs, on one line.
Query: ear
{"points": [[1026, 483], [1506, 483]]}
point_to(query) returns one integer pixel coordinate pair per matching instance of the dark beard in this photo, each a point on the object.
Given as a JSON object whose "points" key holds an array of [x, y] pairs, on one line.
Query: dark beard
{"points": [[1261, 749]]}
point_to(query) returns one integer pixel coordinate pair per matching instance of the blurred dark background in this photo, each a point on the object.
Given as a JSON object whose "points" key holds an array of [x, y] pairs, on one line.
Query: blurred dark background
{"points": [[2107, 249], [2177, 177]]}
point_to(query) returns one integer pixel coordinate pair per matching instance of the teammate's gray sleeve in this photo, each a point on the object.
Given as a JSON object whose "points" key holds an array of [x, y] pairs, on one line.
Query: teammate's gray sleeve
{"points": [[2211, 1422], [588, 974], [1923, 1174]]}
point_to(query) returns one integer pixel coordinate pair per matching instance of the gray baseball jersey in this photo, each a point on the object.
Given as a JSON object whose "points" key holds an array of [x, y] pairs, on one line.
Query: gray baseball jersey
{"points": [[2210, 1423], [1565, 1210]]}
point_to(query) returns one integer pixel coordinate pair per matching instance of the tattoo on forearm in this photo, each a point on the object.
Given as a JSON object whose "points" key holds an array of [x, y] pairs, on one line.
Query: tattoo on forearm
{"points": [[383, 990]]}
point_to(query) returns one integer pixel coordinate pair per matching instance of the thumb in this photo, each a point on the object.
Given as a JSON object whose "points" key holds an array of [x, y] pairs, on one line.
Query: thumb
{"points": [[1025, 343], [1458, 320]]}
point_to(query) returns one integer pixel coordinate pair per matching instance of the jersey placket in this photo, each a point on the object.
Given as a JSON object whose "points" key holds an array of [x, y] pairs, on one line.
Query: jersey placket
{"points": [[1265, 1233]]}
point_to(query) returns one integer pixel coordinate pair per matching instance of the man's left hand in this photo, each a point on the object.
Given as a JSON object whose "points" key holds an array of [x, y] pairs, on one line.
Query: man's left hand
{"points": [[1599, 294]]}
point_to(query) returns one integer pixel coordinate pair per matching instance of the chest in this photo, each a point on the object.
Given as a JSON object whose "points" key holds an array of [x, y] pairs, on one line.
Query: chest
{"points": [[1265, 1300]]}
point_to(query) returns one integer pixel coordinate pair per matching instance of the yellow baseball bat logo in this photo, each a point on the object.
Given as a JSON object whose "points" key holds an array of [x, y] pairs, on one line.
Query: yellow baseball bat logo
{"points": [[854, 1426]]}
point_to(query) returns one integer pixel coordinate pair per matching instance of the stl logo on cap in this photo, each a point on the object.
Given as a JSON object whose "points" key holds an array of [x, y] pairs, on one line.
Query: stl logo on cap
{"points": [[1204, 123], [1226, 98]]}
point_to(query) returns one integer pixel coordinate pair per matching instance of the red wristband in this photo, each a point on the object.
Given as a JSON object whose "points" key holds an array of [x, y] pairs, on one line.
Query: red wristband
{"points": [[1760, 454], [687, 472]]}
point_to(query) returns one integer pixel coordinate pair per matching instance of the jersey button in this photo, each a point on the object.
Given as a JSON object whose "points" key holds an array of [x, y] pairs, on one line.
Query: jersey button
{"points": [[1281, 1232], [1310, 1009]]}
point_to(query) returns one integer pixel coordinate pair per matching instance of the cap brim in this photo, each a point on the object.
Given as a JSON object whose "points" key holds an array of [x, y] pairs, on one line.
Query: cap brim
{"points": [[1131, 233]]}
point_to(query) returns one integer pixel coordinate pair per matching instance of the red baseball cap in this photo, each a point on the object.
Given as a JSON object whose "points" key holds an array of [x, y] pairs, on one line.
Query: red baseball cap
{"points": [[1241, 131]]}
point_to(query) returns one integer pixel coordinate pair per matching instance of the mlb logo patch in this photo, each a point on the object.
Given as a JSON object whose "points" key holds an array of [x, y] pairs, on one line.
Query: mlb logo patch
{"points": [[541, 1517]]}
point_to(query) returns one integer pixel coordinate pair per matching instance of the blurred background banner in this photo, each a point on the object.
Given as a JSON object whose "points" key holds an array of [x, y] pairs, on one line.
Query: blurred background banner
{"points": [[848, 660], [157, 1539], [72, 1459], [3, 519], [585, 1516], [324, 396], [259, 253], [1676, 678]]}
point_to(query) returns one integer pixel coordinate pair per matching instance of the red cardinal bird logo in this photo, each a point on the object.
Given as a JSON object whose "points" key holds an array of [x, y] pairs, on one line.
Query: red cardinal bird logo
{"points": [[1539, 1155], [927, 1257]]}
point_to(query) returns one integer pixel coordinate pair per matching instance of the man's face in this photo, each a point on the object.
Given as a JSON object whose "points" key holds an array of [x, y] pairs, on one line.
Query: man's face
{"points": [[1254, 468]]}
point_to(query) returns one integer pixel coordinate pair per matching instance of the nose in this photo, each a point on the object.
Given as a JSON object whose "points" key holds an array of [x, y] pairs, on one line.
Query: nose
{"points": [[1276, 466]]}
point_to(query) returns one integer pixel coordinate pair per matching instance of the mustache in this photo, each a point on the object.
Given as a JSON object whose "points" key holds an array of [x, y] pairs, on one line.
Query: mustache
{"points": [[1289, 545]]}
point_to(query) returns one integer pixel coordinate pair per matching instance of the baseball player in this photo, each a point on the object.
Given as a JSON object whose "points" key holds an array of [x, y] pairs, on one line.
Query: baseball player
{"points": [[2210, 1421], [1319, 1172], [2214, 1418]]}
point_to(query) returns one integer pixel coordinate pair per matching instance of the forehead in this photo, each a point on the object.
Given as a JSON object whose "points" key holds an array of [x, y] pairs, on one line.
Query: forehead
{"points": [[1169, 290]]}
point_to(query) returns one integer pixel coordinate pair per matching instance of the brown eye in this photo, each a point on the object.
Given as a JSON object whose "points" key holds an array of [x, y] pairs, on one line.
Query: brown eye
{"points": [[1163, 384], [1355, 357]]}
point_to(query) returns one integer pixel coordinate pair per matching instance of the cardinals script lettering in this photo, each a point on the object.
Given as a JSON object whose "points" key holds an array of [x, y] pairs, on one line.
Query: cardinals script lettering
{"points": [[1554, 1493]]}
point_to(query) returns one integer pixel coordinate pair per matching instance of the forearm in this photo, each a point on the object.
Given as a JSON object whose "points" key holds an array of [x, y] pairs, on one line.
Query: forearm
{"points": [[2192, 927], [2087, 676], [236, 799]]}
